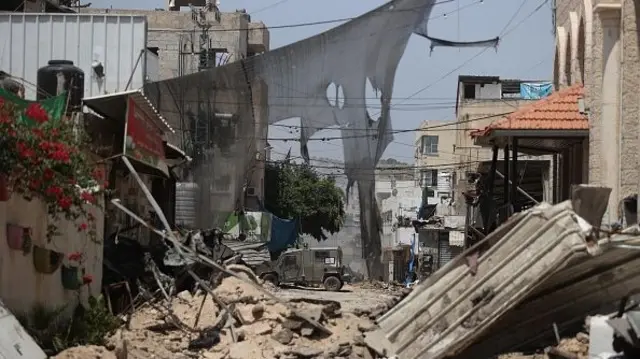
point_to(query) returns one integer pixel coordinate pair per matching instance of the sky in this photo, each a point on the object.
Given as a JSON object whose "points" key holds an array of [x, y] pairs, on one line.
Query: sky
{"points": [[526, 51]]}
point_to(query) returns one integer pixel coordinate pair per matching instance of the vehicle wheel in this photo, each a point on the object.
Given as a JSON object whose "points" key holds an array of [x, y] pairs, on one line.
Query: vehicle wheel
{"points": [[332, 283], [271, 278]]}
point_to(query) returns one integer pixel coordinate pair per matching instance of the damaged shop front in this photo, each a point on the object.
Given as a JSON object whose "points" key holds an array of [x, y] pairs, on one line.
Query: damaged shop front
{"points": [[441, 244], [132, 128], [440, 239], [128, 128]]}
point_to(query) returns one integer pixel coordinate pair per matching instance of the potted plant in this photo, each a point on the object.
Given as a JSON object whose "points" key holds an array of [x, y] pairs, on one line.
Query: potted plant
{"points": [[45, 260], [15, 236], [70, 272], [19, 238], [42, 156]]}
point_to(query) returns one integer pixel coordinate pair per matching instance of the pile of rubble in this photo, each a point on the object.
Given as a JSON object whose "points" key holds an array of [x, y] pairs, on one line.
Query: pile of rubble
{"points": [[393, 287], [190, 326], [568, 348]]}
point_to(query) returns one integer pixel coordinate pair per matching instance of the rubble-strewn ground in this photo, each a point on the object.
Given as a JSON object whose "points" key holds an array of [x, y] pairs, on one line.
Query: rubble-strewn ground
{"points": [[577, 347], [351, 297], [269, 329]]}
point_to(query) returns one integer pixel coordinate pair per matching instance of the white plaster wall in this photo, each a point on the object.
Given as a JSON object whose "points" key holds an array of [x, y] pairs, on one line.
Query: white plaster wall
{"points": [[21, 287], [488, 91], [404, 235]]}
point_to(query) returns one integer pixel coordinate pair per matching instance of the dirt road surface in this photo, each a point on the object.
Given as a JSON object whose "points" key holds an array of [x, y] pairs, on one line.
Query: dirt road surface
{"points": [[353, 298]]}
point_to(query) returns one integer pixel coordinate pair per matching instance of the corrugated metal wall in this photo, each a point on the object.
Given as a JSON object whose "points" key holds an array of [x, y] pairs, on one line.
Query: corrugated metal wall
{"points": [[444, 250], [29, 41]]}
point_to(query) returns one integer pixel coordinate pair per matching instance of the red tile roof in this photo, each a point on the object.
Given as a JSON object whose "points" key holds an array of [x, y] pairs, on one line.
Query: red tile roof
{"points": [[559, 111]]}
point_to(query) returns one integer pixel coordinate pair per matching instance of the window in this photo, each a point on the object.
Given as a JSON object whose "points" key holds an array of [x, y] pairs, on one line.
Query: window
{"points": [[289, 261], [429, 145], [429, 178], [321, 255], [469, 91]]}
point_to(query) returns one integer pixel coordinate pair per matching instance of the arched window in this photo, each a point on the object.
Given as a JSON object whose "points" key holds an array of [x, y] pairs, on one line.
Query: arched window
{"points": [[568, 56], [581, 50]]}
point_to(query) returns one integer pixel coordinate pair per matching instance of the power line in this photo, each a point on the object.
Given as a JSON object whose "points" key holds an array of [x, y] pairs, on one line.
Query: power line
{"points": [[400, 169], [399, 131], [538, 8], [375, 135], [476, 55], [514, 16], [296, 127], [344, 19], [277, 3]]}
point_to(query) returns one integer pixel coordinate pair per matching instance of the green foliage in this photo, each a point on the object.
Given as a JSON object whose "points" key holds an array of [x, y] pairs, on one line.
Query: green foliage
{"points": [[297, 191], [54, 331]]}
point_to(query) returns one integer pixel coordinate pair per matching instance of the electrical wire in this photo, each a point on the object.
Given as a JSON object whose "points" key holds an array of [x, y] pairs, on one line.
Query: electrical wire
{"points": [[375, 134], [333, 21], [514, 16], [538, 8], [478, 54], [339, 165], [404, 169], [268, 7]]}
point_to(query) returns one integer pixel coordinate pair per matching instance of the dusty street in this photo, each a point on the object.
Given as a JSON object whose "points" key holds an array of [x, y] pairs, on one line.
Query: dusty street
{"points": [[262, 327], [353, 298]]}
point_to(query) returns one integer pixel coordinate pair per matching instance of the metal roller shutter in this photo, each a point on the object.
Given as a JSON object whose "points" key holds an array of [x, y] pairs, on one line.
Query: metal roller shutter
{"points": [[444, 251]]}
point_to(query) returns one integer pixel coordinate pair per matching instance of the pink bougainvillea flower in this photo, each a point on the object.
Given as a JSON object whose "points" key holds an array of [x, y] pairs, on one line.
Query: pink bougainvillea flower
{"points": [[87, 279], [48, 174], [88, 197], [65, 202], [35, 112], [74, 256], [54, 191]]}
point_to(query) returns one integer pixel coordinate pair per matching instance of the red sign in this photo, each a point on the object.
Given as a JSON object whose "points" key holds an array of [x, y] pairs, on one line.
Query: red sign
{"points": [[143, 138]]}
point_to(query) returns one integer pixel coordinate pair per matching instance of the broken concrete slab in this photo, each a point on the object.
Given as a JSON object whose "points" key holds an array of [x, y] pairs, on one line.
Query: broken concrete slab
{"points": [[537, 273]]}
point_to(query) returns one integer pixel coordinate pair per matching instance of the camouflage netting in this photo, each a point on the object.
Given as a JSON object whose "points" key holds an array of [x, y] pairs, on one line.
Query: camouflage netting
{"points": [[296, 78]]}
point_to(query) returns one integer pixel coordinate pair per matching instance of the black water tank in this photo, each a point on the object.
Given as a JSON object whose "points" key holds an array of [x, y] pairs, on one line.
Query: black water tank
{"points": [[62, 74]]}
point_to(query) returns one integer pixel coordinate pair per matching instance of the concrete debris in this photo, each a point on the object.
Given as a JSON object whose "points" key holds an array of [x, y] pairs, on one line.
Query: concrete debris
{"points": [[569, 348], [264, 328], [90, 351]]}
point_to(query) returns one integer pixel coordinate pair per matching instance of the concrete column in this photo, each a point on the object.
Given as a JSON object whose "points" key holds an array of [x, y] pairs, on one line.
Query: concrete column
{"points": [[610, 124]]}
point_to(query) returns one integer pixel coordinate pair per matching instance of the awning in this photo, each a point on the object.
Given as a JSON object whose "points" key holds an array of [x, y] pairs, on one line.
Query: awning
{"points": [[173, 152], [114, 106], [546, 126], [144, 128]]}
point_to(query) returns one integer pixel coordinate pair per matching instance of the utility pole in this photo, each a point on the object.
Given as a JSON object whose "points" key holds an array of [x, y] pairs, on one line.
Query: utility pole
{"points": [[205, 18]]}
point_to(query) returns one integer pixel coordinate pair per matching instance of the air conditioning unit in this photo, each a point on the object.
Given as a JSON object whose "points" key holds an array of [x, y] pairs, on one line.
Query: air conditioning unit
{"points": [[251, 191]]}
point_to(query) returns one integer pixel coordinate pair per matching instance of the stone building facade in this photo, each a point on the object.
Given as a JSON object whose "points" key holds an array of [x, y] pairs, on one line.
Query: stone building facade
{"points": [[232, 165], [597, 44], [176, 36]]}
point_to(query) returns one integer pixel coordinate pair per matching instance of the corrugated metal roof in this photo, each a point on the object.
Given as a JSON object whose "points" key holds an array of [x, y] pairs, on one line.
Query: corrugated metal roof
{"points": [[15, 342], [29, 40], [253, 253]]}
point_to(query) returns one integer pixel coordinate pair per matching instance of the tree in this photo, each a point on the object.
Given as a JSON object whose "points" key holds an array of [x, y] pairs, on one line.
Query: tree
{"points": [[297, 191]]}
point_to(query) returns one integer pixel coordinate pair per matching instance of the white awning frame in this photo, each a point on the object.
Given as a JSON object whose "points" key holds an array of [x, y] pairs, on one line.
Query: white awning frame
{"points": [[114, 106]]}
